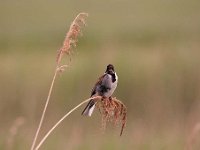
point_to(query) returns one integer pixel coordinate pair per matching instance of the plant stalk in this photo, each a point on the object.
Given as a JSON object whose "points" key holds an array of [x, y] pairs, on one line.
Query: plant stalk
{"points": [[49, 132], [44, 110]]}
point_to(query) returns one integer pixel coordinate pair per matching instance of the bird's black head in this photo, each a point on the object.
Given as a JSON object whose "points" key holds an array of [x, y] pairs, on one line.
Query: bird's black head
{"points": [[110, 69]]}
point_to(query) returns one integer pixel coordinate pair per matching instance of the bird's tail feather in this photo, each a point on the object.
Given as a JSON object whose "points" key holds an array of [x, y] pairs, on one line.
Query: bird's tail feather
{"points": [[89, 108]]}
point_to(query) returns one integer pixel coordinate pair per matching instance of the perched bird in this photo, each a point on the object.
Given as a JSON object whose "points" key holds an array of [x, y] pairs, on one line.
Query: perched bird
{"points": [[104, 87]]}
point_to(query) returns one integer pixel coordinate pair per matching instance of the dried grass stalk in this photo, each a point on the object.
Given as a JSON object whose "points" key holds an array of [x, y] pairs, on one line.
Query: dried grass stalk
{"points": [[72, 36], [69, 42], [61, 120]]}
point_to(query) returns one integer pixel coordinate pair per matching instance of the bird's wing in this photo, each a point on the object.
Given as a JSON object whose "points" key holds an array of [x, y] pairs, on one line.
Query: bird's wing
{"points": [[98, 83]]}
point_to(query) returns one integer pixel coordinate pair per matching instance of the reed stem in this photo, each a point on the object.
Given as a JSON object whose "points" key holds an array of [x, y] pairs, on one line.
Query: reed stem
{"points": [[50, 131], [44, 110]]}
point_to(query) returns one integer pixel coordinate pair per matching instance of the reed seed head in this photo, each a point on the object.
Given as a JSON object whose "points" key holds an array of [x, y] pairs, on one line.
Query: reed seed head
{"points": [[72, 36], [112, 110]]}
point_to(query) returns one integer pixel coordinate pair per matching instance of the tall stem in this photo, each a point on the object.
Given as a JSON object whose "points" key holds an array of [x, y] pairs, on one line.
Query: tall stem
{"points": [[49, 132], [44, 110]]}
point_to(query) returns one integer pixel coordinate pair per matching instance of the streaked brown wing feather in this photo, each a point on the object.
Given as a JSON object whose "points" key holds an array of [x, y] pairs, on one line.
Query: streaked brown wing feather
{"points": [[99, 81]]}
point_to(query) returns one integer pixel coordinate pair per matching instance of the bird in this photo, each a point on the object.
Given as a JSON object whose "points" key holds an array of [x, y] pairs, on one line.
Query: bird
{"points": [[105, 86]]}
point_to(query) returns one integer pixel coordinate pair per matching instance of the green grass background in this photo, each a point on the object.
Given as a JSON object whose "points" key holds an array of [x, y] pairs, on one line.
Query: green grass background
{"points": [[154, 45]]}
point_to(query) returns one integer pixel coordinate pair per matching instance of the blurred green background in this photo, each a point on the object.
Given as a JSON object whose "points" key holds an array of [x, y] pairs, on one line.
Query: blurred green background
{"points": [[154, 45]]}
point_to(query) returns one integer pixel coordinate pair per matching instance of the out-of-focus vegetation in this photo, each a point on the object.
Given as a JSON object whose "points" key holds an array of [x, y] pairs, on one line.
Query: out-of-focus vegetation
{"points": [[154, 45]]}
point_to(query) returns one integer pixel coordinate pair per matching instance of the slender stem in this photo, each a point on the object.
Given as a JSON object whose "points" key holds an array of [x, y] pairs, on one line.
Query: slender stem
{"points": [[44, 110], [49, 132]]}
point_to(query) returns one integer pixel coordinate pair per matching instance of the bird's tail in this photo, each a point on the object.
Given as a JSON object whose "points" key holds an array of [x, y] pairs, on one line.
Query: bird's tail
{"points": [[89, 108]]}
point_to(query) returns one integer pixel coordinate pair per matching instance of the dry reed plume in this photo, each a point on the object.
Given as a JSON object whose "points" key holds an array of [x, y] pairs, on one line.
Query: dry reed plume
{"points": [[69, 42], [112, 110], [72, 36]]}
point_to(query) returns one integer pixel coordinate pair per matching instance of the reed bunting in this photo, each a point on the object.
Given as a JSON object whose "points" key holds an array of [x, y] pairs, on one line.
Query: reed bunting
{"points": [[104, 87]]}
